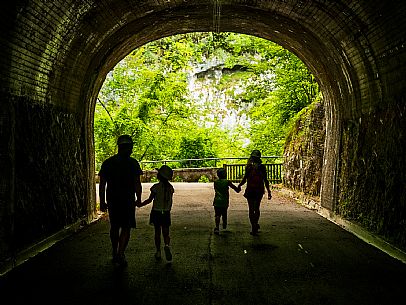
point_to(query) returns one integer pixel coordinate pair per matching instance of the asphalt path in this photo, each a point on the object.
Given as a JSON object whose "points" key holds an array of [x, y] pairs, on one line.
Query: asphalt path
{"points": [[298, 258]]}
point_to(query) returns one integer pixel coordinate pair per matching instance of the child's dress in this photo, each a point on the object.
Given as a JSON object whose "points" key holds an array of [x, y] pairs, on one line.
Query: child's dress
{"points": [[162, 204]]}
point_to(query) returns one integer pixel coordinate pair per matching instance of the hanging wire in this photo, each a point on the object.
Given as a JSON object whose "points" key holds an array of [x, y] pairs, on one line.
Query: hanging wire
{"points": [[216, 15]]}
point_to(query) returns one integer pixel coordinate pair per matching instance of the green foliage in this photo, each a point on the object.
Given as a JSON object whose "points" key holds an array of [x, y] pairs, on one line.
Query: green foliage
{"points": [[261, 88], [178, 179], [195, 147], [204, 179], [154, 179]]}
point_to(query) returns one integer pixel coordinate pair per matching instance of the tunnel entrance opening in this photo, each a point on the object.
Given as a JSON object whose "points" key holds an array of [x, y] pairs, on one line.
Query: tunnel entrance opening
{"points": [[205, 95]]}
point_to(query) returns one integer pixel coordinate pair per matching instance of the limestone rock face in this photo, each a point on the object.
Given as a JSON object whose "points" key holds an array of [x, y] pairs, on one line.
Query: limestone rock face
{"points": [[303, 155]]}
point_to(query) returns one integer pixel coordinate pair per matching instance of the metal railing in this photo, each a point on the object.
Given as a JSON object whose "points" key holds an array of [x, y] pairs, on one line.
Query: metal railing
{"points": [[235, 172], [234, 166], [204, 162]]}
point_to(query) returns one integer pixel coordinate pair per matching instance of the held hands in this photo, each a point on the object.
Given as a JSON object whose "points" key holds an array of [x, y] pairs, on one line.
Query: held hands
{"points": [[140, 203]]}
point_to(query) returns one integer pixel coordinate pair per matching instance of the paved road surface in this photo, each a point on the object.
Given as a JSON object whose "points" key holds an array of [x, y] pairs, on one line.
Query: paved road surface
{"points": [[298, 258]]}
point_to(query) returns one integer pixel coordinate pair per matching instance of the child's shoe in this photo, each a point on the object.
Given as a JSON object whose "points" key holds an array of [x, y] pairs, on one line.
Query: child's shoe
{"points": [[121, 260], [254, 231], [168, 254], [158, 255], [216, 231]]}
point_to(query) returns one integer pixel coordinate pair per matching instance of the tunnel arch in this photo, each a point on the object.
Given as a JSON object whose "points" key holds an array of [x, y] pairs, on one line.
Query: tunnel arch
{"points": [[57, 54], [322, 52]]}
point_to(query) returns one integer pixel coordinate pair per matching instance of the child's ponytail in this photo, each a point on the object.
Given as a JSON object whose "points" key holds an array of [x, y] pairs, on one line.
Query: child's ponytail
{"points": [[166, 186]]}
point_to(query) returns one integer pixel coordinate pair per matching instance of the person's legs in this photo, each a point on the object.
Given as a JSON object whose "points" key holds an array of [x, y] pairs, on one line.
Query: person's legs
{"points": [[254, 213], [165, 233], [167, 240], [251, 211], [257, 214], [217, 216], [217, 222], [123, 240], [114, 237], [114, 230], [224, 218], [157, 239], [257, 211]]}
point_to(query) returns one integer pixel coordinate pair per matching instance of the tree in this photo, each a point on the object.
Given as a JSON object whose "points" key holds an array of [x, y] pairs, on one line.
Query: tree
{"points": [[251, 90]]}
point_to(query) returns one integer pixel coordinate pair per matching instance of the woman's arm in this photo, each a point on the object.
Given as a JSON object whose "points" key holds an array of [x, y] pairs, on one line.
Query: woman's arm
{"points": [[267, 184], [243, 181]]}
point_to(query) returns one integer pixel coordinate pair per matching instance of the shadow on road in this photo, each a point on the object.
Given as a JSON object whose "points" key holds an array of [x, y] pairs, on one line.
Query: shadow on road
{"points": [[298, 258]]}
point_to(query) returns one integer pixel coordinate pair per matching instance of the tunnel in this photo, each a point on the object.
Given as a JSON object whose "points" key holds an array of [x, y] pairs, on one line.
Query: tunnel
{"points": [[55, 56]]}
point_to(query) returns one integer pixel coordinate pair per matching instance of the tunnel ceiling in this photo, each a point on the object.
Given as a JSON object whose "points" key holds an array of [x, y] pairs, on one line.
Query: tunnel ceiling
{"points": [[67, 47]]}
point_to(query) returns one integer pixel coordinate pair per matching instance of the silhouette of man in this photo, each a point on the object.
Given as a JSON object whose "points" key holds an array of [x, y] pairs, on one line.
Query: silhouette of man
{"points": [[121, 173]]}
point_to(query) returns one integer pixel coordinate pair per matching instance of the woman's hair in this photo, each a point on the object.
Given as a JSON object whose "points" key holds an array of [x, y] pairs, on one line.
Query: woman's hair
{"points": [[254, 160]]}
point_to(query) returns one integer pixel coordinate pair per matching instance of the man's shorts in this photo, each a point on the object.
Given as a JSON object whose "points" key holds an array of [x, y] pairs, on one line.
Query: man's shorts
{"points": [[122, 215]]}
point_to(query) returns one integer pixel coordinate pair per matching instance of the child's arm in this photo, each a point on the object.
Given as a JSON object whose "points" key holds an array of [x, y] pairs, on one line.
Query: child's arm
{"points": [[244, 180], [235, 188], [147, 201]]}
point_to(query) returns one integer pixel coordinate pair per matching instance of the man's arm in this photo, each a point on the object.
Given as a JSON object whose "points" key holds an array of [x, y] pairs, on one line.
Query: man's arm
{"points": [[102, 194], [138, 190]]}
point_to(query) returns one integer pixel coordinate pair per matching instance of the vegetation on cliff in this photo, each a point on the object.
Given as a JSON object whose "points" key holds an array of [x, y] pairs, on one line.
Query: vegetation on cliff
{"points": [[202, 95]]}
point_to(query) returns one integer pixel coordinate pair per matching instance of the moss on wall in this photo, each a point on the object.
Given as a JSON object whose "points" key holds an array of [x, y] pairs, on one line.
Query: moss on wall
{"points": [[303, 153], [372, 174]]}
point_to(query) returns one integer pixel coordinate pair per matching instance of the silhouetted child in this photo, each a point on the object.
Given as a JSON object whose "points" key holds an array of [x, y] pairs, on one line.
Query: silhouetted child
{"points": [[160, 217], [221, 198]]}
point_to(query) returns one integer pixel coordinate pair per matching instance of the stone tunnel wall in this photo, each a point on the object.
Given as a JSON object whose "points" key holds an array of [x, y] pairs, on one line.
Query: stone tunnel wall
{"points": [[372, 173], [372, 169], [304, 148], [49, 178]]}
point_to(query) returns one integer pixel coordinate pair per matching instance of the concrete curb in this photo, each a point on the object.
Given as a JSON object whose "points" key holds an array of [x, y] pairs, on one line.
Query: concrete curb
{"points": [[313, 203], [41, 246]]}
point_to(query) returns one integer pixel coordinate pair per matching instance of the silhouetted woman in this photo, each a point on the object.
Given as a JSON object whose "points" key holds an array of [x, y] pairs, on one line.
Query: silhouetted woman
{"points": [[256, 179]]}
